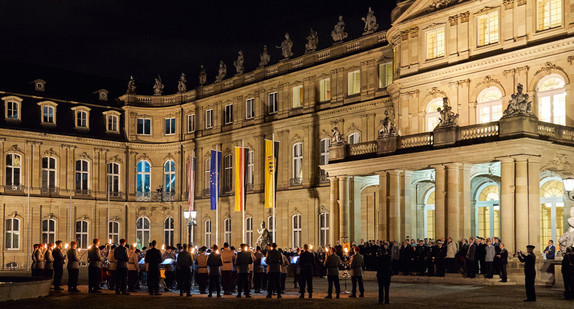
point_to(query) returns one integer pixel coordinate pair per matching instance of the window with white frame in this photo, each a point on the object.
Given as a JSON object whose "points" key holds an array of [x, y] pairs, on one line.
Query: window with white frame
{"points": [[489, 105], [207, 173], [144, 126], [169, 126], [82, 115], [270, 227], [12, 234], [227, 230], [297, 96], [208, 233], [354, 82], [435, 43], [13, 169], [325, 90], [385, 74], [13, 110], [190, 123], [114, 232], [228, 115], [296, 231], [324, 229], [227, 173], [552, 99], [272, 102], [169, 177], [324, 154], [48, 114], [488, 28], [82, 234], [82, 176], [249, 108], [549, 14], [143, 179], [432, 116], [354, 138], [48, 231], [168, 231], [249, 231], [250, 180], [48, 174], [113, 174], [298, 161], [209, 119], [142, 232], [112, 123]]}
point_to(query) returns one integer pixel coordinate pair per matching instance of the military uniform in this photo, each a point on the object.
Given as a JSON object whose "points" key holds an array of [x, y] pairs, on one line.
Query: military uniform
{"points": [[332, 263], [214, 263], [39, 256], [357, 263], [184, 263], [384, 273], [243, 261], [121, 256], [153, 259], [95, 260], [228, 259], [274, 260], [73, 270], [133, 268], [529, 261], [305, 262], [59, 260], [49, 264], [258, 272], [202, 272]]}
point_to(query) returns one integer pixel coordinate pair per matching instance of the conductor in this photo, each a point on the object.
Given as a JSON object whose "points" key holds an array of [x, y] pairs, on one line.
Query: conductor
{"points": [[529, 261]]}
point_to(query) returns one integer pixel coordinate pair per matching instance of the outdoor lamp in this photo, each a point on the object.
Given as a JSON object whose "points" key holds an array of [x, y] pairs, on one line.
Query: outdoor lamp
{"points": [[569, 187]]}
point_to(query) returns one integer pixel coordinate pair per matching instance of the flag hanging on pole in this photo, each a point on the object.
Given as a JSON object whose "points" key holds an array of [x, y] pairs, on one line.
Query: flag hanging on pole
{"points": [[214, 173], [271, 159], [191, 183], [240, 177]]}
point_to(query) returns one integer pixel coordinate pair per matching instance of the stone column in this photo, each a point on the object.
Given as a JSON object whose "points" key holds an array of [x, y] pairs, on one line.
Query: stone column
{"points": [[408, 215], [464, 210], [383, 207], [452, 223], [394, 206], [534, 203], [439, 204], [521, 183], [334, 210], [344, 220], [507, 203]]}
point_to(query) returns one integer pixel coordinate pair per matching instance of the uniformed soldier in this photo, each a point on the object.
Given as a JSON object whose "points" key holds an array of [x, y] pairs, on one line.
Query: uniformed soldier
{"points": [[73, 268], [34, 261], [357, 263], [384, 273], [95, 260], [112, 268], [306, 262], [153, 261], [39, 257], [202, 270], [133, 269], [258, 270], [214, 264], [332, 263], [529, 261], [184, 263], [169, 268], [121, 256], [284, 266], [274, 260], [228, 258], [59, 260], [49, 262], [243, 262]]}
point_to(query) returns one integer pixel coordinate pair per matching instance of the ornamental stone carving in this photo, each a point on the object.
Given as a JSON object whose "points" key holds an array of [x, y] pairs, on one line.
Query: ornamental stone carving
{"points": [[286, 47], [440, 4], [239, 63], [264, 58], [370, 22], [131, 85], [519, 104], [202, 76], [447, 117], [338, 34], [158, 86], [222, 71], [312, 41], [567, 239], [337, 137], [181, 84], [388, 127]]}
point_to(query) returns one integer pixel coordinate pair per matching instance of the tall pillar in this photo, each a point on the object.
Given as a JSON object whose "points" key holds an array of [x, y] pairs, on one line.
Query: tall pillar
{"points": [[521, 201], [464, 210], [334, 210], [383, 207], [394, 206], [507, 203], [408, 215], [344, 220], [439, 204], [534, 202], [452, 222]]}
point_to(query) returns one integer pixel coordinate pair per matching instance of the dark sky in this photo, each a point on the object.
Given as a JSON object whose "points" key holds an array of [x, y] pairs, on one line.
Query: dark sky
{"points": [[117, 38]]}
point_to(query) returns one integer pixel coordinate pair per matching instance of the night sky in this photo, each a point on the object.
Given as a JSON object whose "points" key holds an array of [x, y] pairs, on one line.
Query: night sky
{"points": [[117, 38]]}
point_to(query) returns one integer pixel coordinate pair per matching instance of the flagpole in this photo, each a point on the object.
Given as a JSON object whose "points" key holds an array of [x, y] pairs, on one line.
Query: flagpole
{"points": [[244, 193], [274, 230], [216, 194]]}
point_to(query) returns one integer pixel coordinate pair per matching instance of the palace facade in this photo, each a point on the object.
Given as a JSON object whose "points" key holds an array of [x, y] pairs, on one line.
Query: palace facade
{"points": [[113, 168]]}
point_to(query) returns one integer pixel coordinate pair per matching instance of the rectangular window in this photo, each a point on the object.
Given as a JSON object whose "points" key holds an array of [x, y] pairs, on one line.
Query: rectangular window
{"points": [[169, 126], [297, 96], [297, 162], [228, 117], [249, 231], [324, 229], [114, 232], [549, 14], [82, 234], [488, 29], [12, 112], [324, 156], [113, 123], [209, 119], [190, 123], [250, 168], [272, 102], [325, 90], [250, 108], [48, 231], [12, 234], [385, 74], [144, 126], [48, 114], [82, 119], [354, 82], [435, 43]]}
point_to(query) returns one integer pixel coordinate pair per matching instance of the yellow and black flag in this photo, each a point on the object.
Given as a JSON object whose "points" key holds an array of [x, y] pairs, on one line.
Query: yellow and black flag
{"points": [[271, 160]]}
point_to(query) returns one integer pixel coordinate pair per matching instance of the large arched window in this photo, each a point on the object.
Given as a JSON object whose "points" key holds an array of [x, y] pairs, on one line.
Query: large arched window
{"points": [[142, 232], [429, 215], [48, 231], [487, 211], [168, 231], [143, 180], [82, 176], [82, 234], [552, 209], [169, 177], [208, 233], [296, 221], [227, 230], [12, 234], [48, 174], [552, 99], [13, 169], [354, 138], [432, 115], [489, 105], [324, 229], [113, 179]]}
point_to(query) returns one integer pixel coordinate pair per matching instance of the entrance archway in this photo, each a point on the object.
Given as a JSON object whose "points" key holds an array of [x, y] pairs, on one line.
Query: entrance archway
{"points": [[552, 209]]}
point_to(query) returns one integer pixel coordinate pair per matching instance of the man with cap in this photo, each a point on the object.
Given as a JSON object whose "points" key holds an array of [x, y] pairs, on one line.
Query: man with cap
{"points": [[243, 261], [73, 267], [228, 259], [59, 260], [184, 263], [95, 260], [202, 276], [153, 260], [529, 261], [121, 256]]}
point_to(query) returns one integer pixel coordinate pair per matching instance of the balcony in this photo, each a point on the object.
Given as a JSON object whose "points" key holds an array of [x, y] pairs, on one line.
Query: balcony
{"points": [[294, 182], [324, 178], [82, 192], [160, 196], [143, 196], [13, 189], [50, 191], [115, 194]]}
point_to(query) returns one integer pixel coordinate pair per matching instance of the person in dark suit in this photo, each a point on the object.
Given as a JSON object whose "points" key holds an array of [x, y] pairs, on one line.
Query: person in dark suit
{"points": [[305, 262], [384, 273], [274, 260], [95, 260], [471, 259], [503, 258], [550, 250], [73, 268], [153, 261], [184, 263], [59, 260], [214, 262], [357, 264], [332, 263], [243, 262], [529, 261], [121, 256], [568, 273]]}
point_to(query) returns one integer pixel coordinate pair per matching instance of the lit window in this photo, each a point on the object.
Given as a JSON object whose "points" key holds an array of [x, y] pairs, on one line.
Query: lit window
{"points": [[114, 232], [12, 110], [227, 230], [435, 43], [142, 232], [169, 126], [432, 115], [169, 177], [249, 231], [48, 231], [354, 138], [144, 126], [250, 168], [297, 231], [48, 174], [12, 234], [298, 162], [549, 14], [228, 117], [143, 179], [48, 115], [82, 176], [489, 105], [168, 231], [190, 123], [227, 173], [209, 119], [488, 29], [82, 234], [112, 123], [324, 155], [385, 74], [354, 82], [249, 108], [207, 233], [13, 169], [297, 96], [272, 102], [207, 172], [324, 229], [113, 179], [429, 216], [552, 99], [325, 90]]}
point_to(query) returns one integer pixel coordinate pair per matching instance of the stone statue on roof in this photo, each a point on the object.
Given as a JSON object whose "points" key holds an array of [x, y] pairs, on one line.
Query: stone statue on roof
{"points": [[519, 104], [388, 127], [202, 76], [131, 85], [286, 47], [239, 63], [222, 71], [370, 22], [158, 86], [336, 137], [447, 116], [181, 85], [312, 41], [338, 34], [264, 58]]}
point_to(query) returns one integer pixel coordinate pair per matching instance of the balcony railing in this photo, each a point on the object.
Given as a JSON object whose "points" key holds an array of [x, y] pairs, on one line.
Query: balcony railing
{"points": [[14, 189], [163, 196], [293, 182], [143, 196], [82, 192], [324, 178]]}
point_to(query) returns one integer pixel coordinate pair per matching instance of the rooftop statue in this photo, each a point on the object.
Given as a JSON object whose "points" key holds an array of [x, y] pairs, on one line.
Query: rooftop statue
{"points": [[388, 127], [202, 76], [158, 86], [338, 34], [370, 22], [181, 85], [286, 47], [567, 240], [264, 58], [447, 116], [222, 71], [519, 104], [239, 63], [336, 137], [131, 85], [312, 41]]}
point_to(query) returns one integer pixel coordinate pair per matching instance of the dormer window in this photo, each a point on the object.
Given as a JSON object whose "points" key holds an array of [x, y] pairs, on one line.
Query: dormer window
{"points": [[12, 108], [48, 112], [82, 116], [112, 121], [39, 85]]}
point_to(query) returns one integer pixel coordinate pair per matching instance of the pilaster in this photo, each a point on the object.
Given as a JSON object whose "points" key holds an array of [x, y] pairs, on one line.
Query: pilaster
{"points": [[440, 202]]}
